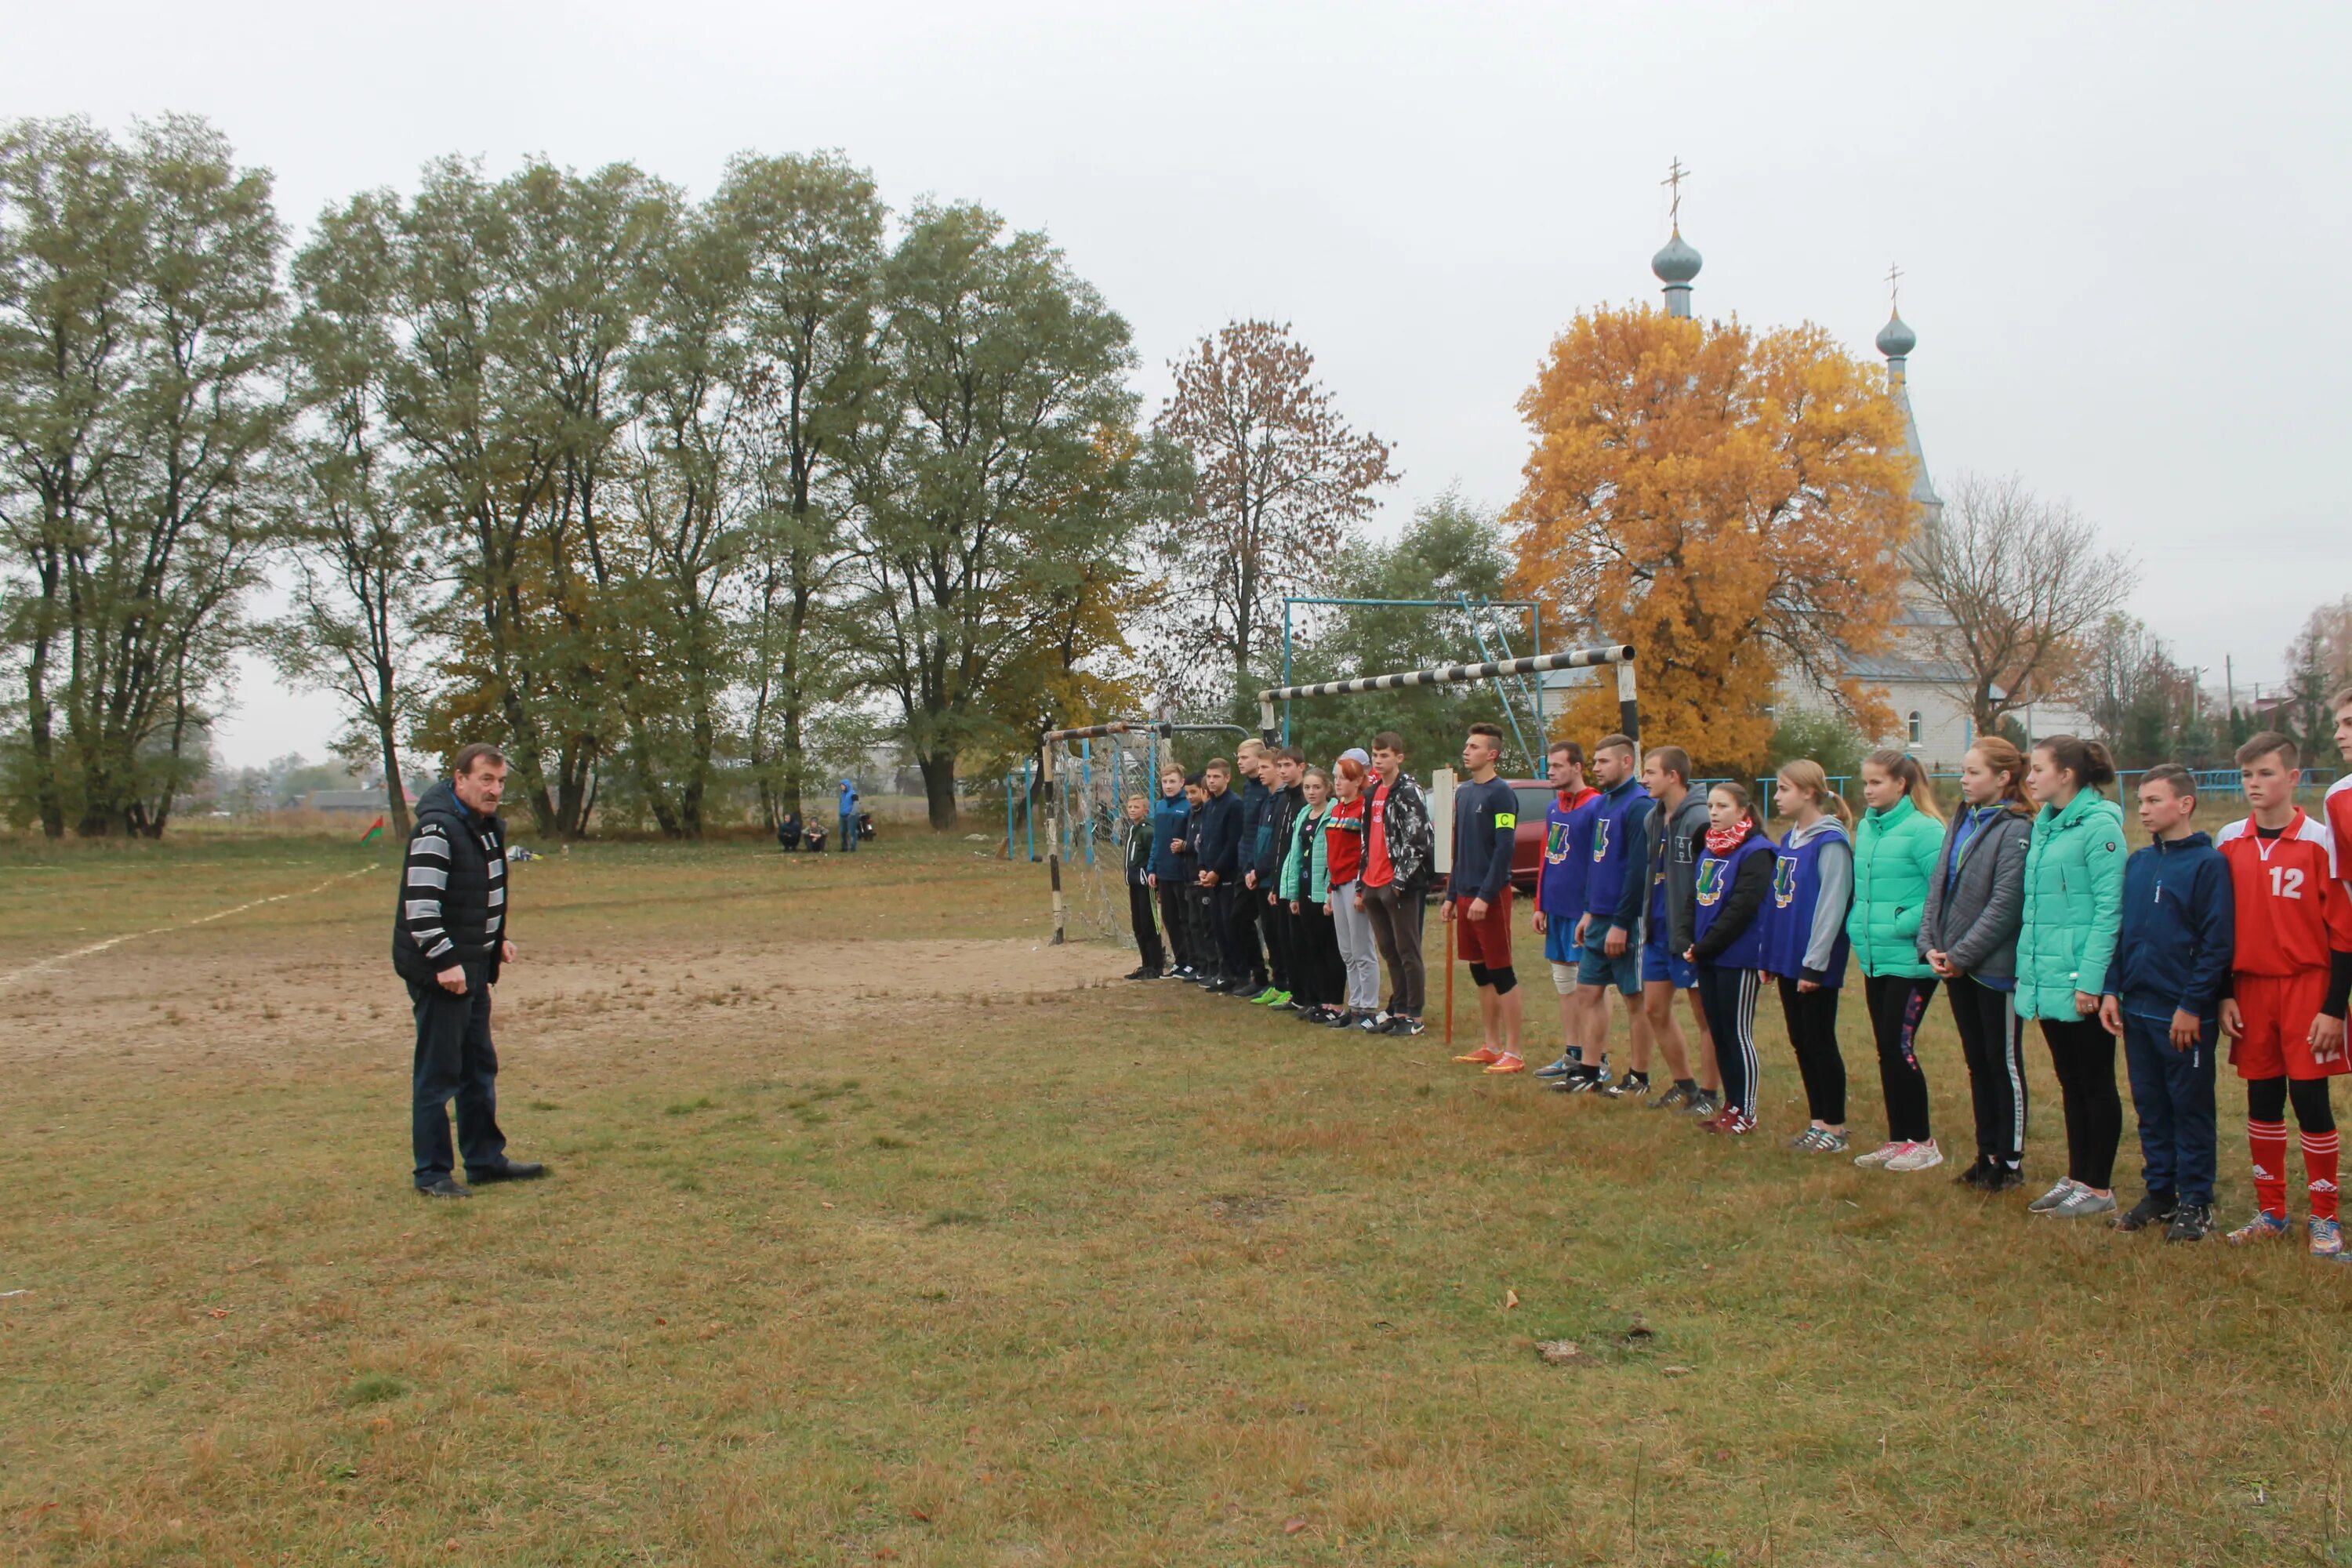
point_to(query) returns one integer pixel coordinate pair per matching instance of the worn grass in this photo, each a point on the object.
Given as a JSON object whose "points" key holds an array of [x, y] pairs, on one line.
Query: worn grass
{"points": [[1102, 1277]]}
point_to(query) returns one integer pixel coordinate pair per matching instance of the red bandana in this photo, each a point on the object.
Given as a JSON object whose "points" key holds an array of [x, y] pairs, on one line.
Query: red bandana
{"points": [[1721, 841]]}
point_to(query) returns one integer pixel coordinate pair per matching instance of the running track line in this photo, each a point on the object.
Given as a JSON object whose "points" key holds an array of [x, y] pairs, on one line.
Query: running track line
{"points": [[63, 958]]}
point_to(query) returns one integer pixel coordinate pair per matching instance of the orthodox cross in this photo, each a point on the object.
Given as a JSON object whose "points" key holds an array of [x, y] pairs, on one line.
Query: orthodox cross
{"points": [[1676, 175], [1894, 288]]}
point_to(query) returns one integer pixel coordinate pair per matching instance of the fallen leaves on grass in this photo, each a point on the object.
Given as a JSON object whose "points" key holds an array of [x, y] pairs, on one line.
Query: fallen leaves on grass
{"points": [[1561, 1352], [1293, 1526], [1510, 1300]]}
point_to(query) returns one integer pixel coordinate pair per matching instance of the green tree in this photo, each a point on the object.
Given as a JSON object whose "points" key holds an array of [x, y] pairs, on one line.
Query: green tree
{"points": [[1007, 378]]}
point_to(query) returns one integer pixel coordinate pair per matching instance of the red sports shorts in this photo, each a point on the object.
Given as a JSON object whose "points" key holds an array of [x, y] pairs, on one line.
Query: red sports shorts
{"points": [[2278, 1010], [1487, 942]]}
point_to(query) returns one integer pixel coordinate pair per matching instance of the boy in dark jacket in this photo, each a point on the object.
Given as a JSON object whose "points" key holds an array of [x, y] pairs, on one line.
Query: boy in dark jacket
{"points": [[1219, 842], [2163, 997], [1166, 875], [1139, 890]]}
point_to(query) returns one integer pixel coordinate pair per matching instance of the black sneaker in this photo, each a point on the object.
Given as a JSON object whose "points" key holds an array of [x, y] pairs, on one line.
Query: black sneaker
{"points": [[1143, 972], [1577, 1080], [1676, 1096], [1705, 1105], [1974, 1177], [1401, 1025], [1632, 1086], [2150, 1210], [2003, 1178], [1339, 1019], [1375, 1023], [2190, 1222], [443, 1187]]}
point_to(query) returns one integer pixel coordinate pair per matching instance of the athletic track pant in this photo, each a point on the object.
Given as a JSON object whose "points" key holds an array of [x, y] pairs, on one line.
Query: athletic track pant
{"points": [[1992, 1038], [1244, 958], [1274, 921], [2084, 1053], [1727, 996], [1812, 1020], [2172, 1091], [1897, 1004], [1396, 927], [1147, 935], [1320, 981], [1360, 954], [1178, 923]]}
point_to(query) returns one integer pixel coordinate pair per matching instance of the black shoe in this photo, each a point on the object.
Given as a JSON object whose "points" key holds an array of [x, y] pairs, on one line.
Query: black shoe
{"points": [[1401, 1025], [1632, 1086], [511, 1171], [443, 1187], [1208, 981], [1143, 972], [1676, 1096], [2190, 1222], [1705, 1105], [2002, 1179], [1577, 1080], [1974, 1177], [2150, 1210]]}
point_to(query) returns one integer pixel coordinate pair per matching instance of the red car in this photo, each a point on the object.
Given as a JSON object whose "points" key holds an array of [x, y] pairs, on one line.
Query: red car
{"points": [[1526, 850]]}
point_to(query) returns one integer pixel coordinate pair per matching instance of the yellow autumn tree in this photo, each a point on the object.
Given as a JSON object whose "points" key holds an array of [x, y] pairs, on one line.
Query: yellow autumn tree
{"points": [[1733, 505]]}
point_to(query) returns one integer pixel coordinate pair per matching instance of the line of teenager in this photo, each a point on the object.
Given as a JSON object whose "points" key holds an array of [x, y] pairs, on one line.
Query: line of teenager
{"points": [[1292, 891], [2022, 907]]}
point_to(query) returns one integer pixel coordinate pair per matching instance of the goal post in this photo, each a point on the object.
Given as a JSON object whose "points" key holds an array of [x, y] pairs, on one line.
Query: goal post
{"points": [[1629, 718], [1055, 784]]}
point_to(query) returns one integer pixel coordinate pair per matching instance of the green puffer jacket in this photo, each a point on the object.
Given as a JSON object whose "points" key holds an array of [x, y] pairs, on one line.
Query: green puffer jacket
{"points": [[1895, 855], [2074, 904]]}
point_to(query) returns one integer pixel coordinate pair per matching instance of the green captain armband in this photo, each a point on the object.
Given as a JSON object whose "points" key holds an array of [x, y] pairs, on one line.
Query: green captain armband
{"points": [[1506, 819]]}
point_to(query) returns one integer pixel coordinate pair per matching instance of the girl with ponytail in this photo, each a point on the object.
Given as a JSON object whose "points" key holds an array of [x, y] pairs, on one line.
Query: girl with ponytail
{"points": [[1895, 851], [1805, 944], [1969, 937], [2067, 936]]}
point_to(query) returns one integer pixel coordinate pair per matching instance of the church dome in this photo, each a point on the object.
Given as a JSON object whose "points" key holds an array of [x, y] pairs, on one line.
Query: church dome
{"points": [[1676, 262], [1894, 339]]}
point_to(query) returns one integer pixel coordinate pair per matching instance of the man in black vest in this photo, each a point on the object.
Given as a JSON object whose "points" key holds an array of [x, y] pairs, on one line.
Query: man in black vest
{"points": [[448, 941]]}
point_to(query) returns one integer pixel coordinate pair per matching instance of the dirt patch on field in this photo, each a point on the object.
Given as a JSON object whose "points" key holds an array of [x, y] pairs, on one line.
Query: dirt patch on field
{"points": [[179, 1001]]}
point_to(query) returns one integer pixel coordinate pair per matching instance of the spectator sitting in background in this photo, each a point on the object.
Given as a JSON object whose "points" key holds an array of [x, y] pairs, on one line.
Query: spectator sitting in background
{"points": [[788, 829], [813, 839]]}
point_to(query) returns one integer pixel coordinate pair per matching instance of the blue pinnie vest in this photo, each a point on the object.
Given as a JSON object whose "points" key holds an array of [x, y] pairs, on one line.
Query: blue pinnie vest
{"points": [[1567, 862], [1715, 875], [1789, 913], [1605, 878]]}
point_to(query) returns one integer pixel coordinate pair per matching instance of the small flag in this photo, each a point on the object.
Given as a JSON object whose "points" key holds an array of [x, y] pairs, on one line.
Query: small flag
{"points": [[375, 832]]}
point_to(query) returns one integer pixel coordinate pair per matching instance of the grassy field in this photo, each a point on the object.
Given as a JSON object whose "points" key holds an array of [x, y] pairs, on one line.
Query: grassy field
{"points": [[880, 1232]]}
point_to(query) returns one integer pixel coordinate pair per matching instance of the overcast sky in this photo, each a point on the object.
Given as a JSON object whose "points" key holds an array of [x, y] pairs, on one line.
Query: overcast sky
{"points": [[2123, 228]]}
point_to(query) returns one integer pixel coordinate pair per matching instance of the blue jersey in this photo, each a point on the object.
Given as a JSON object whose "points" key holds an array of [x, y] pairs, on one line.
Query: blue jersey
{"points": [[1712, 898], [1793, 920], [1568, 856], [1610, 861]]}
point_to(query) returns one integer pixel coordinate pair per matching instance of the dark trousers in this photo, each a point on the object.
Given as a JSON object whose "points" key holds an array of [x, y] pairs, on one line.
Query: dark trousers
{"points": [[1230, 912], [1177, 923], [1208, 936], [1147, 935], [1396, 930], [1727, 997], [1812, 1020], [1245, 958], [454, 1061], [2173, 1093], [1992, 1038], [1897, 1004], [849, 834], [2084, 1055], [1315, 963], [1274, 920]]}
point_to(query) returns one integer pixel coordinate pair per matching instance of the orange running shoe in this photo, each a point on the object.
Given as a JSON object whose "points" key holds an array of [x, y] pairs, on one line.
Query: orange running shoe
{"points": [[1506, 1062], [1482, 1056]]}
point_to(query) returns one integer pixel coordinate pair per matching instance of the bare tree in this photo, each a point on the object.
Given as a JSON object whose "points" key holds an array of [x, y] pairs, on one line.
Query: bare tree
{"points": [[1281, 479], [2023, 586]]}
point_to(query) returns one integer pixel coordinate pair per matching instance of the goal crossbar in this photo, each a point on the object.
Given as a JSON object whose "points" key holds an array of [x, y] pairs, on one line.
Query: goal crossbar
{"points": [[1618, 654]]}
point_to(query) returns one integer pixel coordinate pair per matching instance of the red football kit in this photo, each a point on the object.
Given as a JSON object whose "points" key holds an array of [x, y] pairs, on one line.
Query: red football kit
{"points": [[2293, 916]]}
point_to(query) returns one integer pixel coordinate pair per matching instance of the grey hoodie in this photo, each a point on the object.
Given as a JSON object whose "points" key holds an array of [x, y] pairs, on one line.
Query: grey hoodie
{"points": [[1973, 917], [1836, 868], [1675, 855]]}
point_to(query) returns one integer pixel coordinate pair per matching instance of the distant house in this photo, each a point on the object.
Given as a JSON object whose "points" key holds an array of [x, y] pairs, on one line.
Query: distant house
{"points": [[368, 802]]}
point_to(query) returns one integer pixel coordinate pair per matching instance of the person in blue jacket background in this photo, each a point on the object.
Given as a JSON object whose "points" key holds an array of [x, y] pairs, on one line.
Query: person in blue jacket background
{"points": [[2163, 997], [848, 816]]}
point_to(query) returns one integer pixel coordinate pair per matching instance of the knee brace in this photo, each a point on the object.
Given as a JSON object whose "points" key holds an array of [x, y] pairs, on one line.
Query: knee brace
{"points": [[1505, 980], [1481, 976], [1563, 979]]}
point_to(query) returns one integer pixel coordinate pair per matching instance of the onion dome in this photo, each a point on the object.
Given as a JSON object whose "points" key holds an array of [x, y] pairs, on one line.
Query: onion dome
{"points": [[1896, 341], [1676, 262]]}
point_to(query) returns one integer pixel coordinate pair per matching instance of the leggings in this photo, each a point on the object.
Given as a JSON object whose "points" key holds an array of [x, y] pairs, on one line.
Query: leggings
{"points": [[1281, 938], [1358, 953], [2084, 1053], [1992, 1038], [1727, 996], [1811, 1018], [1396, 926], [1897, 1002], [1237, 912]]}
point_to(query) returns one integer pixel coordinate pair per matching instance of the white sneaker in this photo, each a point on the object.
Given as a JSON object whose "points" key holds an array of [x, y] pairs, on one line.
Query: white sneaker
{"points": [[1880, 1155], [1917, 1157]]}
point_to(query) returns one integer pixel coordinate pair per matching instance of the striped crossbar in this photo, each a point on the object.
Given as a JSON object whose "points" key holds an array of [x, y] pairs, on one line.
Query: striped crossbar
{"points": [[1449, 674]]}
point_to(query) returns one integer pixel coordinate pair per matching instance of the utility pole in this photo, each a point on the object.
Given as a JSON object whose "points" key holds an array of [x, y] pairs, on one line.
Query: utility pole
{"points": [[2230, 682]]}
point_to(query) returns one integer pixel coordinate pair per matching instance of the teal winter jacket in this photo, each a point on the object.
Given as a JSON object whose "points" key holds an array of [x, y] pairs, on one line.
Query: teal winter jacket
{"points": [[1895, 855], [2074, 904]]}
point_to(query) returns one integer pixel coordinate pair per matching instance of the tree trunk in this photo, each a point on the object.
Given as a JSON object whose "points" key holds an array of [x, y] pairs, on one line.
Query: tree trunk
{"points": [[47, 797], [938, 789], [397, 811]]}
